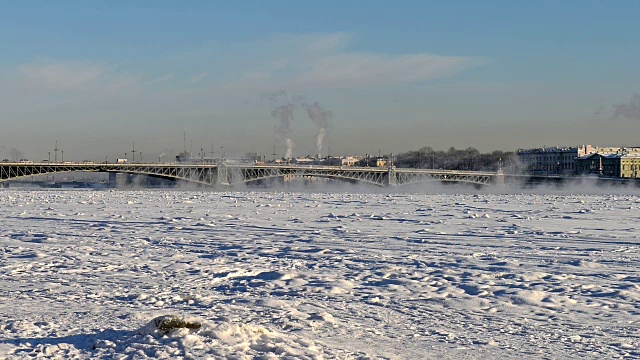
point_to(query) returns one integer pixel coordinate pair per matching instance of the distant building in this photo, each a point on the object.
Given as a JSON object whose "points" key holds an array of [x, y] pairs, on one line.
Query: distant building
{"points": [[627, 166], [303, 161], [553, 160], [184, 157], [373, 162], [187, 157], [622, 164], [341, 161], [350, 160], [253, 157], [589, 164], [570, 160]]}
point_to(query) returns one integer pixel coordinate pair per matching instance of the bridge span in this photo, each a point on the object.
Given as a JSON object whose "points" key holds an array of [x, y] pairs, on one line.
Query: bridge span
{"points": [[226, 175]]}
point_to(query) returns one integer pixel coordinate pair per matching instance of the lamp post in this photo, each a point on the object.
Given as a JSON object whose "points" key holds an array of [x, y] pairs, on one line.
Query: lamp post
{"points": [[141, 156], [49, 156], [62, 155]]}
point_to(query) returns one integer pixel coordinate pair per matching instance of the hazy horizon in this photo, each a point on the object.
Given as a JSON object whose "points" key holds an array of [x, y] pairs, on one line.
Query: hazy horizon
{"points": [[98, 76]]}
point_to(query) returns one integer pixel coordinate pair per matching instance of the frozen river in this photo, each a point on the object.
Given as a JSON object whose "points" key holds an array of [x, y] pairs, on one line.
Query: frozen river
{"points": [[318, 275]]}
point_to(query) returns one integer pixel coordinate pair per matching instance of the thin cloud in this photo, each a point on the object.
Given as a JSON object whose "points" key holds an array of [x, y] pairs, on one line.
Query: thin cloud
{"points": [[283, 61], [69, 76], [324, 61], [358, 70], [295, 62], [196, 79], [123, 82], [162, 78], [61, 76], [328, 42]]}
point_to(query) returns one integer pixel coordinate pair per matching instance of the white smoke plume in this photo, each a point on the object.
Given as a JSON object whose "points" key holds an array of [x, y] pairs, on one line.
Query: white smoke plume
{"points": [[289, 153], [629, 110], [16, 154], [320, 118], [164, 152], [283, 130], [284, 112]]}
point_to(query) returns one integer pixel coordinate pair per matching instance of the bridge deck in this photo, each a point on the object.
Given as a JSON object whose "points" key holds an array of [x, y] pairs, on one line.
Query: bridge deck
{"points": [[228, 174]]}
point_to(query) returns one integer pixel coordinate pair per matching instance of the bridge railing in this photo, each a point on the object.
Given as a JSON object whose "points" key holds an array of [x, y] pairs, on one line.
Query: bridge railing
{"points": [[70, 163], [242, 165]]}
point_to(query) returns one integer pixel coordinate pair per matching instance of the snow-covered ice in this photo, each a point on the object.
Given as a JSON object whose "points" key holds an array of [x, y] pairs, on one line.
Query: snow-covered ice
{"points": [[191, 274]]}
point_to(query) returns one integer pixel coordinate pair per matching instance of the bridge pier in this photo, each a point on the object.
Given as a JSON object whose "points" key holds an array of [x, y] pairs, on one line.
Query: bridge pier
{"points": [[120, 179], [222, 179], [113, 179], [392, 179], [499, 179]]}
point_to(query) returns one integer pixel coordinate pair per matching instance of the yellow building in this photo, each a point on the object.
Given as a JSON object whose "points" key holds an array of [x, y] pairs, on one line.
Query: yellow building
{"points": [[630, 166], [621, 165]]}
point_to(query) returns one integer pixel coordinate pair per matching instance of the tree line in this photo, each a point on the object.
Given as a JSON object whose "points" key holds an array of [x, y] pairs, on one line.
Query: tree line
{"points": [[457, 159]]}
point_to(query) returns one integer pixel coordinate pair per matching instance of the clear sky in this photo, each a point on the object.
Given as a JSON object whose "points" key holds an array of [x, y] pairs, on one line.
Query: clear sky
{"points": [[98, 76]]}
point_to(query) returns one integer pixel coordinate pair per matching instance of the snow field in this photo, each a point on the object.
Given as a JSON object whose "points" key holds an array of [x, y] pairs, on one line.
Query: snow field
{"points": [[318, 275]]}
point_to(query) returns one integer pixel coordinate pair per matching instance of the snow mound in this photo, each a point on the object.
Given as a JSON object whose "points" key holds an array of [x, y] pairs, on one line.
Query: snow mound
{"points": [[174, 337], [244, 338], [172, 334]]}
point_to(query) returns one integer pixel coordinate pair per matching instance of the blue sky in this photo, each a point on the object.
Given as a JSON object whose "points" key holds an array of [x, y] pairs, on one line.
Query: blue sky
{"points": [[99, 75]]}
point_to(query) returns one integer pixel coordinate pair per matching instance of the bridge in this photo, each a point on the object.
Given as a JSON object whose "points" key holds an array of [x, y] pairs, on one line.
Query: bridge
{"points": [[225, 175]]}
